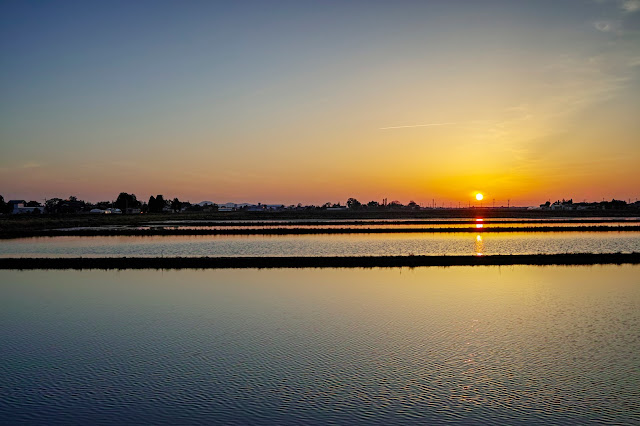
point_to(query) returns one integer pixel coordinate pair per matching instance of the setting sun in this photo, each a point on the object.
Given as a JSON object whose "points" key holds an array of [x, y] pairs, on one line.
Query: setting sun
{"points": [[479, 196]]}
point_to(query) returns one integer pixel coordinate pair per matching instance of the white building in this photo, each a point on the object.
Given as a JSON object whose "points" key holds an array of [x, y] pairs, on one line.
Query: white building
{"points": [[19, 207]]}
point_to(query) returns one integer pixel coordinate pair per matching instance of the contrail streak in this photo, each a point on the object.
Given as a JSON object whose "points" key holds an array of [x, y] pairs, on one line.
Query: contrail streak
{"points": [[415, 125]]}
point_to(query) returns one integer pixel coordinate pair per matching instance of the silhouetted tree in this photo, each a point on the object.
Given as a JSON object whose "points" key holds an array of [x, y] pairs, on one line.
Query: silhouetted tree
{"points": [[72, 205], [156, 204], [176, 205], [616, 204], [4, 208], [160, 203], [126, 201], [352, 203], [103, 205], [196, 208], [52, 204], [373, 204]]}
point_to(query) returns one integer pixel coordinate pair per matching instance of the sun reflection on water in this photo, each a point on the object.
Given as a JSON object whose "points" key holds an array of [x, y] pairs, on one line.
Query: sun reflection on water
{"points": [[478, 246]]}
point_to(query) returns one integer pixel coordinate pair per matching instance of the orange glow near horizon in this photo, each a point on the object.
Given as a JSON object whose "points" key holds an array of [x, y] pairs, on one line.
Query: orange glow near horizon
{"points": [[324, 119]]}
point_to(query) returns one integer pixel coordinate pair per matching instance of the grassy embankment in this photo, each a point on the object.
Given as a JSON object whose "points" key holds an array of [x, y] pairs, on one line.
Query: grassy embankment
{"points": [[316, 262], [300, 231]]}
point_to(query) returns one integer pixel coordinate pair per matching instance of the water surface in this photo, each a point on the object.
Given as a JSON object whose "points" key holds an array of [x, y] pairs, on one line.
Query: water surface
{"points": [[509, 345], [485, 243]]}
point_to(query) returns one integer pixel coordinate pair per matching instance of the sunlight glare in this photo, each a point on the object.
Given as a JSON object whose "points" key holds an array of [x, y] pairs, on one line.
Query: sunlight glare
{"points": [[478, 246]]}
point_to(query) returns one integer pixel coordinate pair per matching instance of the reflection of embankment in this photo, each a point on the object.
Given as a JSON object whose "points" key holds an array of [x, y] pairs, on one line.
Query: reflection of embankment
{"points": [[316, 262], [299, 231]]}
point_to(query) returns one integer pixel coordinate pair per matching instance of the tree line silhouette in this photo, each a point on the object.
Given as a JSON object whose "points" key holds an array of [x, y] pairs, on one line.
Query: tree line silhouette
{"points": [[125, 203], [129, 204]]}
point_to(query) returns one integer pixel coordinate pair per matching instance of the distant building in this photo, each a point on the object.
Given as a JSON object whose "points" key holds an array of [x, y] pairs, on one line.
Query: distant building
{"points": [[18, 207], [600, 205], [559, 205], [254, 208], [15, 203], [227, 207]]}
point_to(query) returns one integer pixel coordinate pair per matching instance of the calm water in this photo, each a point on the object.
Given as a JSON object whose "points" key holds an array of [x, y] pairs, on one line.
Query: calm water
{"points": [[326, 245], [510, 345]]}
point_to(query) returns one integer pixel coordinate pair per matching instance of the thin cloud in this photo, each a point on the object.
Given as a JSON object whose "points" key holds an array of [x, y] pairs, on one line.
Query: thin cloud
{"points": [[607, 26], [416, 125], [630, 6]]}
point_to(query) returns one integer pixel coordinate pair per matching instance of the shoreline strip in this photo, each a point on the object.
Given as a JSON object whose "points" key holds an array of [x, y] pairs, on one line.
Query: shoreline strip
{"points": [[301, 231], [316, 262]]}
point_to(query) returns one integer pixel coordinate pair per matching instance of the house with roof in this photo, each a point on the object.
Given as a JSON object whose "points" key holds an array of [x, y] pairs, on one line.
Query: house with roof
{"points": [[20, 207]]}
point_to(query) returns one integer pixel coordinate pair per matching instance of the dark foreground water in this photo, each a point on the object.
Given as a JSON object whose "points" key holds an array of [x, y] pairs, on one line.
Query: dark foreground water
{"points": [[508, 345]]}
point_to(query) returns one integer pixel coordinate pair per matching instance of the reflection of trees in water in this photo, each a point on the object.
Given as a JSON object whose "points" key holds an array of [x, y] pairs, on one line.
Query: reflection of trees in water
{"points": [[478, 246]]}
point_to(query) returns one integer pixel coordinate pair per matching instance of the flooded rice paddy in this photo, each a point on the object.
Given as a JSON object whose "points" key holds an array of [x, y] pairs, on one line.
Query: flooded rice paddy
{"points": [[424, 345], [501, 345], [397, 244]]}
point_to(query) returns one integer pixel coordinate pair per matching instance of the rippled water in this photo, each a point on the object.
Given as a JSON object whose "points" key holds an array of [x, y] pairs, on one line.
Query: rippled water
{"points": [[326, 245], [509, 345]]}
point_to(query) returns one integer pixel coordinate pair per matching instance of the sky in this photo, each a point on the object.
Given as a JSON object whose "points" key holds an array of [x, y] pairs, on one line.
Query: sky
{"points": [[316, 101]]}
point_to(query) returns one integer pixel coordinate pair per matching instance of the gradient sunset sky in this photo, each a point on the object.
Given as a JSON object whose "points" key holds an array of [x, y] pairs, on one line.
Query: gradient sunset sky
{"points": [[315, 101]]}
